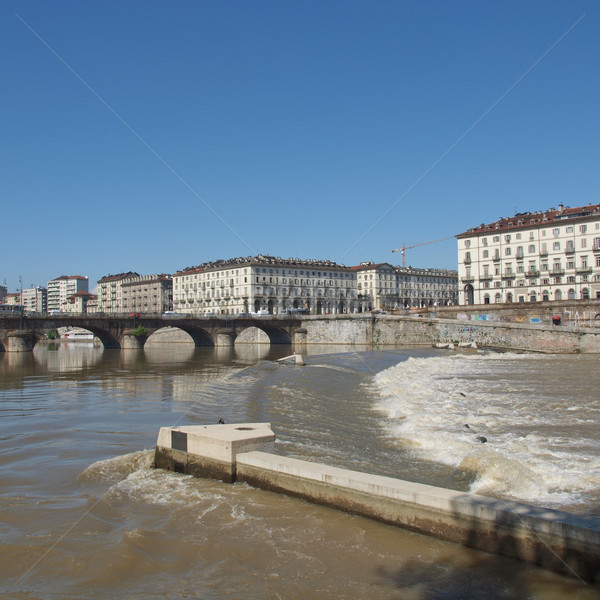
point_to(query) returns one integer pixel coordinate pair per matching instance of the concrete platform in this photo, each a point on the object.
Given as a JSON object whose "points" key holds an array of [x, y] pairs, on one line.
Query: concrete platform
{"points": [[210, 450]]}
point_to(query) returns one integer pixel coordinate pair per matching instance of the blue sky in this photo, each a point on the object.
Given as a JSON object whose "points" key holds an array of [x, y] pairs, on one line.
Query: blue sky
{"points": [[152, 136]]}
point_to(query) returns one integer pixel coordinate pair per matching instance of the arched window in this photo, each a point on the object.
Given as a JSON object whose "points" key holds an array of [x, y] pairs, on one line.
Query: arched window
{"points": [[509, 297], [498, 298], [585, 294], [558, 295], [486, 299], [545, 296], [571, 294]]}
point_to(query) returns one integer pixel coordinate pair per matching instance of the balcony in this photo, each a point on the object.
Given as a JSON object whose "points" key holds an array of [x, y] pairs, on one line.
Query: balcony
{"points": [[532, 273], [570, 250], [467, 279], [557, 272], [496, 258], [583, 270], [486, 277], [508, 275]]}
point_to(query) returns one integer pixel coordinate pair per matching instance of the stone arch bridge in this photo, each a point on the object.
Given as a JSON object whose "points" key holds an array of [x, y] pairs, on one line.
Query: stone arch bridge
{"points": [[21, 334]]}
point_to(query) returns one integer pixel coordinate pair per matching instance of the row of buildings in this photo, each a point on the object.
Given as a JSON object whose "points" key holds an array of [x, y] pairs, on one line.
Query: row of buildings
{"points": [[276, 285], [251, 284], [550, 255], [68, 293]]}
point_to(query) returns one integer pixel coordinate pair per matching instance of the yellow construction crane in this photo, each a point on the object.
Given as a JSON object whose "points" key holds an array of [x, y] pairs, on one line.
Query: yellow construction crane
{"points": [[403, 248]]}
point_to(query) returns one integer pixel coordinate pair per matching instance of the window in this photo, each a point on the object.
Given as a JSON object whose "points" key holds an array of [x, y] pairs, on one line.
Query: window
{"points": [[486, 253], [532, 248], [496, 238], [556, 232], [467, 243], [569, 229], [582, 228], [584, 261], [556, 246], [507, 238]]}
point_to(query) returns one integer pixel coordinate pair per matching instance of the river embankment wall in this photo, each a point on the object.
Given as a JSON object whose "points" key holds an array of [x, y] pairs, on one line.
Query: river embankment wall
{"points": [[398, 330], [556, 540]]}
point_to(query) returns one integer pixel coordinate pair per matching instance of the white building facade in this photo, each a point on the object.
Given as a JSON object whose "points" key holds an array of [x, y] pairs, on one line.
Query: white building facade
{"points": [[385, 287], [35, 299], [543, 256], [265, 283], [62, 288]]}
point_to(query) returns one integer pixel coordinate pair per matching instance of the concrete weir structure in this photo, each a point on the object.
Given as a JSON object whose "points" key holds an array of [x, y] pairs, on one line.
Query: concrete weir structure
{"points": [[556, 540]]}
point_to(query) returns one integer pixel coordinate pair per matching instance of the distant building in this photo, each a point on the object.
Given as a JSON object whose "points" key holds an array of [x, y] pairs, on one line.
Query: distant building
{"points": [[376, 286], [63, 287], [3, 292], [276, 285], [77, 303], [110, 292], [385, 287], [34, 300], [147, 294], [13, 298], [265, 283], [131, 292], [541, 256]]}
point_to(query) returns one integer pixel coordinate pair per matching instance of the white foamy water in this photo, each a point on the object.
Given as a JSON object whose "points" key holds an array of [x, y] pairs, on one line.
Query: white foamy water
{"points": [[539, 415]]}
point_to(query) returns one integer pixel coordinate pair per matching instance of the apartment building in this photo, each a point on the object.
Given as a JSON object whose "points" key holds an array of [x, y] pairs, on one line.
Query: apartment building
{"points": [[63, 287], [385, 287], [265, 283], [13, 298], [426, 287], [147, 294], [35, 299], [533, 256], [77, 303], [110, 293], [376, 286]]}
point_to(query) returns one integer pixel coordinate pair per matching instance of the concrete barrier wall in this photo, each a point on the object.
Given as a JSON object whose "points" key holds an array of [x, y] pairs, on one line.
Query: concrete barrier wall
{"points": [[559, 541], [413, 330]]}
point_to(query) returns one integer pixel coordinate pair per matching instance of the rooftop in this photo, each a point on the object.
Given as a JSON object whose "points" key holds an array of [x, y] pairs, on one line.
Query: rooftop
{"points": [[528, 220]]}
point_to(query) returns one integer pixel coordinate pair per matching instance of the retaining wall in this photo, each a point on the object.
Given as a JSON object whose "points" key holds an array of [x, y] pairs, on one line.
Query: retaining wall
{"points": [[425, 330]]}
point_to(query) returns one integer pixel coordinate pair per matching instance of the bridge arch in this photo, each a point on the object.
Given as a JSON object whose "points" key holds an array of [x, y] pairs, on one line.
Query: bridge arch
{"points": [[262, 333]]}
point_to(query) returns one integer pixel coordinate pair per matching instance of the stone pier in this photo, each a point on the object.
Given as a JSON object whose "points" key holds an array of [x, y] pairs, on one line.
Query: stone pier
{"points": [[20, 340]]}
